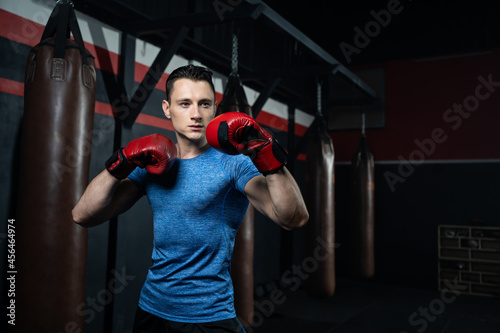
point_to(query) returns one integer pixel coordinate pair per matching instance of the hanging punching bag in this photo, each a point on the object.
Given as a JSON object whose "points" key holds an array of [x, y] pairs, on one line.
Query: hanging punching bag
{"points": [[320, 200], [362, 212], [56, 135], [234, 99]]}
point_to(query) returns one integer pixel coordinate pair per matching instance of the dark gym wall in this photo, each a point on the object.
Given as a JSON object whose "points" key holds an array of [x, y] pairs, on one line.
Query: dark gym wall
{"points": [[436, 161], [456, 183], [421, 96], [134, 228]]}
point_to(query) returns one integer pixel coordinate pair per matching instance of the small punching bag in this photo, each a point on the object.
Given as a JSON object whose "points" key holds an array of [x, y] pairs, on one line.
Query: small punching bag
{"points": [[234, 99], [320, 200], [362, 212], [56, 133]]}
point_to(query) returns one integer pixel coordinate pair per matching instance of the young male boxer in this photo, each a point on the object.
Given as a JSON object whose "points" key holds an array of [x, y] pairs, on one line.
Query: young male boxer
{"points": [[199, 191]]}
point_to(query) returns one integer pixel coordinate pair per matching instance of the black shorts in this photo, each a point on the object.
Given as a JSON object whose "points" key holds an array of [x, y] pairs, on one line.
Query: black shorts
{"points": [[146, 322]]}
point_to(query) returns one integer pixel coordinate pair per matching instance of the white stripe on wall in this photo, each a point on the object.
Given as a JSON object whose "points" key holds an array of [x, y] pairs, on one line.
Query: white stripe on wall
{"points": [[106, 37]]}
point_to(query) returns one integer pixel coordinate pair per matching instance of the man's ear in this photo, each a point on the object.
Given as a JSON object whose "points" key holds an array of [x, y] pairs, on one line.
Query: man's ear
{"points": [[166, 108]]}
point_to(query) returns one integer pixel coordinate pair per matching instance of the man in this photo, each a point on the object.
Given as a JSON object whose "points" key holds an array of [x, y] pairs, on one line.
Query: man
{"points": [[199, 196]]}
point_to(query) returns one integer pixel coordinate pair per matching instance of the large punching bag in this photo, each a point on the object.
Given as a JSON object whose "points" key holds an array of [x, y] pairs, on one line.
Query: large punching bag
{"points": [[362, 212], [56, 133], [234, 99], [320, 200]]}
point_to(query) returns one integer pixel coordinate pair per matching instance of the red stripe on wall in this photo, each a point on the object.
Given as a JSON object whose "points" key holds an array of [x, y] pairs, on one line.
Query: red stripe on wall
{"points": [[11, 87], [19, 29], [300, 130], [142, 70], [144, 119], [17, 88], [24, 31], [421, 99], [27, 32], [104, 59], [103, 108], [268, 119]]}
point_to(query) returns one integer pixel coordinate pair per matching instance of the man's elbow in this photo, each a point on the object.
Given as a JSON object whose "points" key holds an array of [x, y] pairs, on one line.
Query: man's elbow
{"points": [[79, 219], [297, 221], [304, 217]]}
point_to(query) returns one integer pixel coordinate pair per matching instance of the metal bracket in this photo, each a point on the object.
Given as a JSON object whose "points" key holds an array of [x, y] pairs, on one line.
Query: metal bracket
{"points": [[265, 94], [148, 84]]}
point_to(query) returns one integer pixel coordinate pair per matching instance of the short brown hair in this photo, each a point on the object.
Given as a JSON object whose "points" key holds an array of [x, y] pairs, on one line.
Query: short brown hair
{"points": [[192, 72]]}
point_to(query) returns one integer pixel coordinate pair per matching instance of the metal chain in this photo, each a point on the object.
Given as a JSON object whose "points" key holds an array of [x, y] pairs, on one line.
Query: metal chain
{"points": [[318, 90], [234, 56], [363, 123], [65, 2]]}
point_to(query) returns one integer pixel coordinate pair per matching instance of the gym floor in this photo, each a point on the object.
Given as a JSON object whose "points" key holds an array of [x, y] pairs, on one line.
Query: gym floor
{"points": [[368, 308]]}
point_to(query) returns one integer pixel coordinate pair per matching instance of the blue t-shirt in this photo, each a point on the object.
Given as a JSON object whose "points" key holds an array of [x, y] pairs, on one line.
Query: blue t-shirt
{"points": [[198, 206]]}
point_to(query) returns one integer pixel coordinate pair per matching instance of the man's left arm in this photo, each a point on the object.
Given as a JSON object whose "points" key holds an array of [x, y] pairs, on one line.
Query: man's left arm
{"points": [[275, 194], [278, 196]]}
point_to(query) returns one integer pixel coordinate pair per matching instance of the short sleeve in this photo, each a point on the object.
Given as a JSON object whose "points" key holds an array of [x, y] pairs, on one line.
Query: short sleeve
{"points": [[138, 178], [244, 171]]}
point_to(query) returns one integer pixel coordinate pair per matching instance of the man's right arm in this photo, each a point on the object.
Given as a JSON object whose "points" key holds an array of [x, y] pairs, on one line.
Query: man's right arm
{"points": [[111, 192], [104, 198]]}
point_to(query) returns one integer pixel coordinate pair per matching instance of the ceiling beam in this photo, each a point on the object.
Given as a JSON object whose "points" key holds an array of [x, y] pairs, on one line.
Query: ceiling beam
{"points": [[286, 27], [243, 12]]}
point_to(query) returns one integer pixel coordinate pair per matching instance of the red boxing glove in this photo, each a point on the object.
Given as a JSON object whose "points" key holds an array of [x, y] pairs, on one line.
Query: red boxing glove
{"points": [[155, 152], [237, 133]]}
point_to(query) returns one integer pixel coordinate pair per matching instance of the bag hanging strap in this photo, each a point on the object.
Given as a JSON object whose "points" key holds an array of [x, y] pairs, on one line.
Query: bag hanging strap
{"points": [[62, 21], [51, 26], [62, 30], [75, 28]]}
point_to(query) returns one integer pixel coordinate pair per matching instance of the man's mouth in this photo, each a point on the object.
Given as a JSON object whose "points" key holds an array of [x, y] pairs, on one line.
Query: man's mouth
{"points": [[195, 127]]}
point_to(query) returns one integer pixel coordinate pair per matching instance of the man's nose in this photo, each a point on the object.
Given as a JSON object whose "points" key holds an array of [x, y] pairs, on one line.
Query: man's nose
{"points": [[195, 112]]}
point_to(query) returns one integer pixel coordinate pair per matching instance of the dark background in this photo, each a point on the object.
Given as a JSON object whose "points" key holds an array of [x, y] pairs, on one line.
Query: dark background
{"points": [[430, 56], [421, 28]]}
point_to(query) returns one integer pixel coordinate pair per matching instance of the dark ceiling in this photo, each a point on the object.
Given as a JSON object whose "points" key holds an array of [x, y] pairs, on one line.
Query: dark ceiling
{"points": [[418, 29], [285, 47]]}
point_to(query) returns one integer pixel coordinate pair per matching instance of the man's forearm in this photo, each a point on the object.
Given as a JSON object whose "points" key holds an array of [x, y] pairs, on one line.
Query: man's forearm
{"points": [[93, 207], [287, 202]]}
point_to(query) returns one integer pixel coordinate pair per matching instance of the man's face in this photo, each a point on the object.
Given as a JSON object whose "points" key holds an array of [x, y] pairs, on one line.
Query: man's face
{"points": [[191, 108]]}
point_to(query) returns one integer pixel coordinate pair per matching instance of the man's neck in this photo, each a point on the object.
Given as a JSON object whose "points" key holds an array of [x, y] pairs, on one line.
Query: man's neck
{"points": [[186, 150]]}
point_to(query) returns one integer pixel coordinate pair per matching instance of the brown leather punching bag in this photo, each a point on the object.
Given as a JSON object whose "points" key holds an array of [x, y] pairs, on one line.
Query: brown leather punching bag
{"points": [[234, 99], [362, 212], [56, 136], [320, 199]]}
